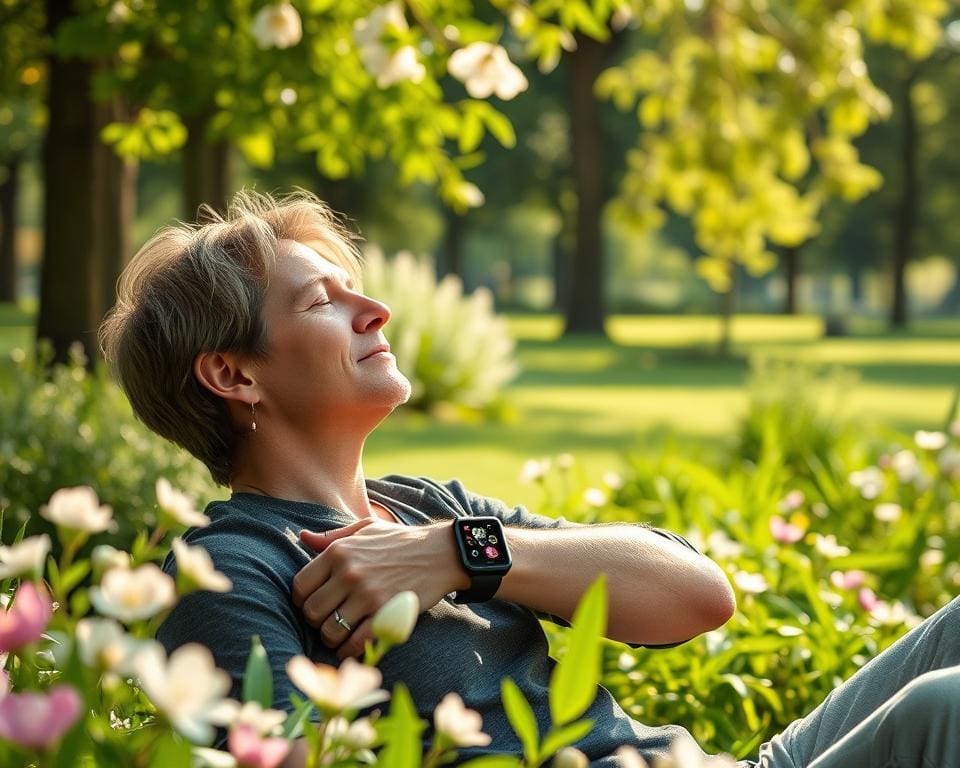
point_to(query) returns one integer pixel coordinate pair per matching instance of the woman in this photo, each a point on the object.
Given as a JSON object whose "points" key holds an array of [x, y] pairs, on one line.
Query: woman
{"points": [[248, 342]]}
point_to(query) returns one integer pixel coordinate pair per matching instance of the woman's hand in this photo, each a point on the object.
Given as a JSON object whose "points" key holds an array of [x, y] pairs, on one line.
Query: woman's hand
{"points": [[361, 566]]}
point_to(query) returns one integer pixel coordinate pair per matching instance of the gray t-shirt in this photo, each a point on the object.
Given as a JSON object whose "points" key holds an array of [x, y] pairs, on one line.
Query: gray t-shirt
{"points": [[467, 649]]}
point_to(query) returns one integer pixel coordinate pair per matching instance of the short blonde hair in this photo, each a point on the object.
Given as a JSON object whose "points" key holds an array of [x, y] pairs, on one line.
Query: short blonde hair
{"points": [[197, 288]]}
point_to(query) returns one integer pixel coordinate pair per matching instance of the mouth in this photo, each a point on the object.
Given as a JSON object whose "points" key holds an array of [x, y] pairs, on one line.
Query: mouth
{"points": [[377, 350]]}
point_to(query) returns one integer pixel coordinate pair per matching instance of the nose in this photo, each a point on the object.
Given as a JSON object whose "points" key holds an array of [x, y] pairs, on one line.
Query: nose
{"points": [[372, 316]]}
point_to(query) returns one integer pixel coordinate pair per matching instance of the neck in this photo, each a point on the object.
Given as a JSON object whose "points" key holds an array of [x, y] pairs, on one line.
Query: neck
{"points": [[323, 469]]}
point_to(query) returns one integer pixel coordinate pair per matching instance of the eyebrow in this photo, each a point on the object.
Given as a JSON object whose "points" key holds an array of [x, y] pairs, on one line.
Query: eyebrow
{"points": [[321, 279]]}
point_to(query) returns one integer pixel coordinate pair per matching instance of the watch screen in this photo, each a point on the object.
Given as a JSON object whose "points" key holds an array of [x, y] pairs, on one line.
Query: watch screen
{"points": [[482, 543]]}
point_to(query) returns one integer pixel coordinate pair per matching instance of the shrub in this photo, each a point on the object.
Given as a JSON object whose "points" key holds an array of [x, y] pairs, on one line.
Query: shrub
{"points": [[64, 426], [452, 347]]}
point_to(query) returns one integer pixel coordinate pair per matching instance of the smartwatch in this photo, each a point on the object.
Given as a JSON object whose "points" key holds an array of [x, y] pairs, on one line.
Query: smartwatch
{"points": [[484, 555]]}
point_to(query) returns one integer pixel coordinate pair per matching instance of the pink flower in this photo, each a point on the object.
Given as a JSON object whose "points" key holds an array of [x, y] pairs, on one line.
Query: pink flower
{"points": [[784, 532], [868, 599], [255, 751], [848, 579], [25, 622], [38, 719]]}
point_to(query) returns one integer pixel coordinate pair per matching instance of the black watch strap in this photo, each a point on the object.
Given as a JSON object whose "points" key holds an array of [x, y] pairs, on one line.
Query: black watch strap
{"points": [[483, 586]]}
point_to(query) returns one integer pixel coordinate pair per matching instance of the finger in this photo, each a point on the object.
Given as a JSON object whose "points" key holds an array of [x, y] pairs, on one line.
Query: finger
{"points": [[353, 611], [318, 609], [319, 541], [309, 579], [355, 644]]}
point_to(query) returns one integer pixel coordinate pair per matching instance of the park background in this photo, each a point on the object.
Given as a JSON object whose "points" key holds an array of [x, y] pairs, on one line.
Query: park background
{"points": [[721, 238]]}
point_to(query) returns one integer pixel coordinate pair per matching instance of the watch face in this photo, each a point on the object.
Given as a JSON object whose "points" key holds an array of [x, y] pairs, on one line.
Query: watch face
{"points": [[482, 544]]}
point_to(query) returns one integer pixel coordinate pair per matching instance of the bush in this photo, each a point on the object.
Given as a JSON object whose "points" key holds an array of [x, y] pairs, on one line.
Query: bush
{"points": [[452, 347], [64, 426], [837, 541]]}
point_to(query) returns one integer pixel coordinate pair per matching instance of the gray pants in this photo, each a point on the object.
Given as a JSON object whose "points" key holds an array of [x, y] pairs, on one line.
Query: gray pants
{"points": [[901, 709]]}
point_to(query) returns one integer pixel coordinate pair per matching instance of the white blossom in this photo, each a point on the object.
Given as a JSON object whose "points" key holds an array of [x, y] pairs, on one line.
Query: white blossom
{"points": [[277, 26], [534, 470], [360, 734], [27, 557], [870, 482], [196, 567], [390, 68], [570, 757], [750, 583], [486, 69], [78, 509], [187, 688], [929, 441], [369, 31], [351, 686], [459, 724], [104, 645], [229, 712], [907, 467], [104, 557], [132, 595], [888, 512], [595, 497], [628, 757], [395, 621], [178, 506], [949, 462], [829, 547], [565, 460], [722, 547], [931, 558], [792, 501]]}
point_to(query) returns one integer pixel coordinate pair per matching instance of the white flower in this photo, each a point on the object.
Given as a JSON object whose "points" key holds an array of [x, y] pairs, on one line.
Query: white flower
{"points": [[390, 68], [888, 512], [369, 31], [204, 757], [931, 558], [929, 441], [613, 480], [78, 509], [628, 757], [534, 470], [104, 645], [27, 557], [722, 547], [360, 734], [395, 621], [906, 466], [869, 482], [565, 460], [686, 753], [570, 757], [229, 712], [196, 567], [949, 462], [133, 595], [459, 724], [178, 506], [352, 686], [893, 614], [186, 688], [750, 583], [828, 546], [595, 497], [277, 26], [486, 69], [104, 557]]}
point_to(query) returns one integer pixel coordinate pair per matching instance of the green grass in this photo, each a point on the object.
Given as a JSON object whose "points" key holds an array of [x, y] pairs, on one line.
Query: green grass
{"points": [[658, 379]]}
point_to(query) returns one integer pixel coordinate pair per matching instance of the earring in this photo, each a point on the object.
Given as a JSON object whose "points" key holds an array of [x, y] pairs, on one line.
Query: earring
{"points": [[253, 417]]}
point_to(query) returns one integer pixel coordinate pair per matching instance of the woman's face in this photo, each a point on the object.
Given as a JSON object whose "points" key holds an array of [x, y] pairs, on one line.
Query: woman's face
{"points": [[325, 364]]}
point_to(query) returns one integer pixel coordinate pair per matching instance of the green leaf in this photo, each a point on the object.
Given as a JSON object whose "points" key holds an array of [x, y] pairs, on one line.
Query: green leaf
{"points": [[573, 685], [499, 126], [521, 718], [171, 749], [258, 677], [257, 148], [293, 725], [493, 761], [402, 747], [558, 738], [471, 132], [74, 575]]}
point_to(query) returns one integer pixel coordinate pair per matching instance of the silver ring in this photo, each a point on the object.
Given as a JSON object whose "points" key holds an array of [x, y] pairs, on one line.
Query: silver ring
{"points": [[342, 621]]}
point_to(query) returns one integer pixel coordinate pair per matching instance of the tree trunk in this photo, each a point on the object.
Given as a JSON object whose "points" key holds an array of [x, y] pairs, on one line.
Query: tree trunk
{"points": [[906, 212], [70, 284], [585, 306], [561, 272], [8, 230], [451, 260], [207, 168], [791, 264], [115, 193]]}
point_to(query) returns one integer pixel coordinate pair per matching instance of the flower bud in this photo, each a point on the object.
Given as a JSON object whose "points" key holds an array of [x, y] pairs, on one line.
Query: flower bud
{"points": [[570, 757], [394, 622], [104, 557]]}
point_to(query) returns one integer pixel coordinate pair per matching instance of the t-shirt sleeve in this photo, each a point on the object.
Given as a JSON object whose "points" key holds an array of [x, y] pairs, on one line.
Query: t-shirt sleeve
{"points": [[521, 517], [225, 622]]}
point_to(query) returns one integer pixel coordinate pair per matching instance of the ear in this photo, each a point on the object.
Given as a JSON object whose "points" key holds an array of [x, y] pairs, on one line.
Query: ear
{"points": [[223, 374]]}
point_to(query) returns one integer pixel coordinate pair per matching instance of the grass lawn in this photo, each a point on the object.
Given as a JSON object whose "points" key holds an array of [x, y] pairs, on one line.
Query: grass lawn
{"points": [[657, 379]]}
